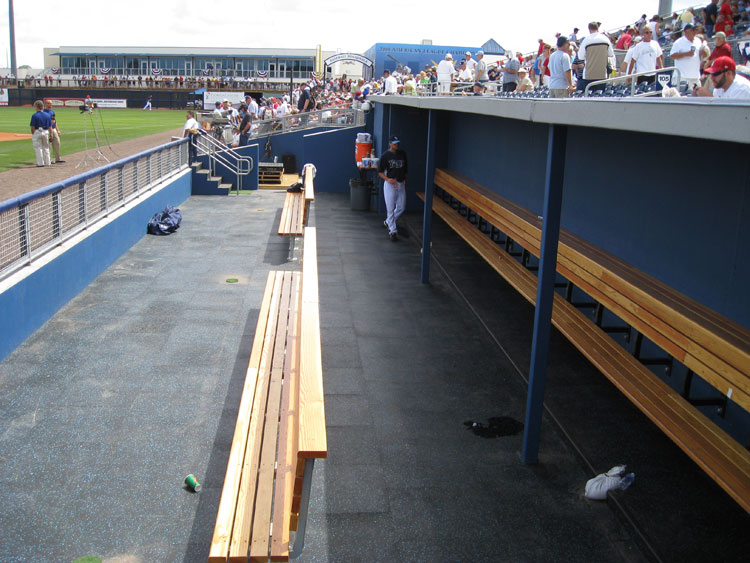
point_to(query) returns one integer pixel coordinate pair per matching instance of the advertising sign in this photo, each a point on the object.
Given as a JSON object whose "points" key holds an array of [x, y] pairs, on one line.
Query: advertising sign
{"points": [[210, 98]]}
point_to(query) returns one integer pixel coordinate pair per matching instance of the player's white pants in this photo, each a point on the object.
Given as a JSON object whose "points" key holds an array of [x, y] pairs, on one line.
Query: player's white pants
{"points": [[395, 203], [40, 141]]}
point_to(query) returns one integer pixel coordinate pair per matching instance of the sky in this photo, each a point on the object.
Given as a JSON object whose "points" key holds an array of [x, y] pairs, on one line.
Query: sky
{"points": [[302, 24]]}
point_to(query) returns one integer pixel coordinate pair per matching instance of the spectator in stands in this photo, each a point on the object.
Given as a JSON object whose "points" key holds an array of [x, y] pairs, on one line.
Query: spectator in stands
{"points": [[727, 84], [471, 64], [721, 48], [597, 55], [744, 51], [573, 37], [524, 82], [561, 76], [710, 13], [544, 72], [686, 54], [445, 72], [478, 89], [647, 56], [391, 84], [724, 24], [480, 71], [510, 73], [626, 37]]}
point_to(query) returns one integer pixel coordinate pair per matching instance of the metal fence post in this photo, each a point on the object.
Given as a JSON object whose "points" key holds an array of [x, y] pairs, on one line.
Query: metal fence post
{"points": [[24, 233], [148, 171], [135, 177], [120, 184], [81, 202], [103, 192], [56, 215]]}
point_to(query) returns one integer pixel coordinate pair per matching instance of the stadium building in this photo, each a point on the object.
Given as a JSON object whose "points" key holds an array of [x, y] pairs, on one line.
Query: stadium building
{"points": [[273, 63]]}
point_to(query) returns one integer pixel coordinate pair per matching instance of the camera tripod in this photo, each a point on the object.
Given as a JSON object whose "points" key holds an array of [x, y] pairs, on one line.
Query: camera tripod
{"points": [[88, 159]]}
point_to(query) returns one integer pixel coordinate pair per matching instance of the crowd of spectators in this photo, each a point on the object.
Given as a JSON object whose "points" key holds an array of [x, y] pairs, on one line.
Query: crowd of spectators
{"points": [[692, 41]]}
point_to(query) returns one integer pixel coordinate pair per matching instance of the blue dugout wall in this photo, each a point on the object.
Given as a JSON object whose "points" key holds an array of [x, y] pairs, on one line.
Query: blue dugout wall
{"points": [[28, 304]]}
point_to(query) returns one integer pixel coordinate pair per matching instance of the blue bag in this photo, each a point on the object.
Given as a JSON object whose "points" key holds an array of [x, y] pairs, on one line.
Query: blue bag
{"points": [[165, 222]]}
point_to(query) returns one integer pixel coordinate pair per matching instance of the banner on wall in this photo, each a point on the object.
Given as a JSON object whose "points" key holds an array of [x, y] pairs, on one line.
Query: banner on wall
{"points": [[210, 98], [3, 96], [76, 102]]}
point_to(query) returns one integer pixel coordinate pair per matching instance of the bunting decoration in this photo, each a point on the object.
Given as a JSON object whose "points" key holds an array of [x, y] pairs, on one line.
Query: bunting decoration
{"points": [[105, 70], [156, 71], [262, 73], [55, 70], [316, 75]]}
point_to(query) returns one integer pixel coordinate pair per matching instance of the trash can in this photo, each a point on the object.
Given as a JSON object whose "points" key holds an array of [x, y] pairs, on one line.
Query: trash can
{"points": [[359, 191]]}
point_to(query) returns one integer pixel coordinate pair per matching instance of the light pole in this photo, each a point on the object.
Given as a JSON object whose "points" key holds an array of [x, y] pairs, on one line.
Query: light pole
{"points": [[665, 7], [11, 25]]}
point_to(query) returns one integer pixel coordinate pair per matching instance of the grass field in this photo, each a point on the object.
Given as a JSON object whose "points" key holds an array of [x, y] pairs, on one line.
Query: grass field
{"points": [[114, 126]]}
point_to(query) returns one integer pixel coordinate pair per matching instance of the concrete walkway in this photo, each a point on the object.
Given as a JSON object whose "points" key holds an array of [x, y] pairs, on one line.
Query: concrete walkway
{"points": [[135, 383]]}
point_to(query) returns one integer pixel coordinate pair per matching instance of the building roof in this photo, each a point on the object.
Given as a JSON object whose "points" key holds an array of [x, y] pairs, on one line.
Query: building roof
{"points": [[183, 51], [492, 47]]}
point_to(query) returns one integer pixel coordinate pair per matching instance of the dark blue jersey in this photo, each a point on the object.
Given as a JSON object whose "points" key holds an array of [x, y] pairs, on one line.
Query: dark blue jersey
{"points": [[51, 114], [41, 119]]}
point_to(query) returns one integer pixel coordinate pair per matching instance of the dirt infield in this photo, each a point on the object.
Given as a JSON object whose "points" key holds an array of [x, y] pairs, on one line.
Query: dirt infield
{"points": [[5, 136], [26, 179]]}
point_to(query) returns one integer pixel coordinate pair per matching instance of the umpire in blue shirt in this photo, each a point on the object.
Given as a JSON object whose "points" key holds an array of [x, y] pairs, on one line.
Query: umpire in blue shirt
{"points": [[40, 124]]}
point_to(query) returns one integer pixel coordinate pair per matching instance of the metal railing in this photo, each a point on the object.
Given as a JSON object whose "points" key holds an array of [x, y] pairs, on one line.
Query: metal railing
{"points": [[672, 70], [219, 153], [37, 222]]}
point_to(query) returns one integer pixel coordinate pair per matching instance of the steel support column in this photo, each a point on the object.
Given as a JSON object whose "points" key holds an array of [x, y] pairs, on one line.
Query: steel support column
{"points": [[429, 188], [553, 186]]}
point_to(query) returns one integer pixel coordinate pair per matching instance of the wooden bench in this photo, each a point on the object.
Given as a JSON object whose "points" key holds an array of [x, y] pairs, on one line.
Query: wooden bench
{"points": [[711, 345], [296, 206], [280, 427]]}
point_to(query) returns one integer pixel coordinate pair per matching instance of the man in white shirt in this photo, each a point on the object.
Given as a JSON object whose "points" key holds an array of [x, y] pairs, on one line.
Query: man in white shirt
{"points": [[391, 85], [646, 56], [191, 130], [465, 74], [727, 84], [471, 64], [445, 73], [686, 54]]}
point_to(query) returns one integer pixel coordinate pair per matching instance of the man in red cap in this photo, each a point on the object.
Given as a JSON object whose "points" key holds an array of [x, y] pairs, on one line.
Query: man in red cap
{"points": [[726, 83]]}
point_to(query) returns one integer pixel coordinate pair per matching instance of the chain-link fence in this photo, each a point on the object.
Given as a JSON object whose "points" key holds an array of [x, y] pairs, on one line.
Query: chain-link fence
{"points": [[33, 224]]}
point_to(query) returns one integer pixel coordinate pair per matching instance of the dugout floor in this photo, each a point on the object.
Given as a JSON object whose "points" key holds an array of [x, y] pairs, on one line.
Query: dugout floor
{"points": [[135, 383]]}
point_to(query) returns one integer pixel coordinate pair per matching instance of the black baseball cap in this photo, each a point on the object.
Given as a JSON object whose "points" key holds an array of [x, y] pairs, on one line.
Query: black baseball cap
{"points": [[394, 139]]}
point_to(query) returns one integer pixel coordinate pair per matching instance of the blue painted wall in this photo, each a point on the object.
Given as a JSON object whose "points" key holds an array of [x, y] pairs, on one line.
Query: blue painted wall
{"points": [[31, 302], [415, 56], [624, 193], [332, 153]]}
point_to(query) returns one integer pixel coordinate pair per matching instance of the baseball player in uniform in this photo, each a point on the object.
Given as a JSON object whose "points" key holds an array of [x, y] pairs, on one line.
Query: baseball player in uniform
{"points": [[40, 124], [393, 170]]}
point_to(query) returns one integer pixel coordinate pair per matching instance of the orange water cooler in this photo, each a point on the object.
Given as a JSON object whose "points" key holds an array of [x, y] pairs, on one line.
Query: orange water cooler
{"points": [[362, 146]]}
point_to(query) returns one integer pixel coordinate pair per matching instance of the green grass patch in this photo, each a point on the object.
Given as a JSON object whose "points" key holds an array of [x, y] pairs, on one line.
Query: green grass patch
{"points": [[114, 126]]}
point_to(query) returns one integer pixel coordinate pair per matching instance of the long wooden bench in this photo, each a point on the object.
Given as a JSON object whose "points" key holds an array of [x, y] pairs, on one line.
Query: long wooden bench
{"points": [[684, 328], [296, 205], [280, 427]]}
